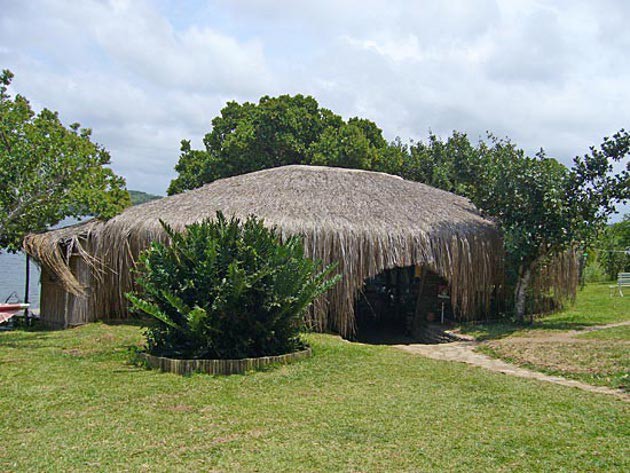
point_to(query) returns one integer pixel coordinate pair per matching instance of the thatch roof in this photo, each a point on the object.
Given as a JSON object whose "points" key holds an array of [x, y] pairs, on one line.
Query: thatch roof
{"points": [[366, 221]]}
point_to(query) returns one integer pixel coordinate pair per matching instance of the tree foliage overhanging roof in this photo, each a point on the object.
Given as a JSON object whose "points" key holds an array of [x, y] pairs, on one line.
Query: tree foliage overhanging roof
{"points": [[49, 172]]}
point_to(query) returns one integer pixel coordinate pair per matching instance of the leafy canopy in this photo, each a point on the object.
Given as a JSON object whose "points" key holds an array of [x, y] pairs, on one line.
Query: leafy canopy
{"points": [[524, 194], [226, 289], [49, 172], [543, 207], [139, 197], [278, 131]]}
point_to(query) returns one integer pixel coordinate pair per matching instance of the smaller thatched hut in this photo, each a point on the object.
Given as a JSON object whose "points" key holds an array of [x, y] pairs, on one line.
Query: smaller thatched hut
{"points": [[367, 222]]}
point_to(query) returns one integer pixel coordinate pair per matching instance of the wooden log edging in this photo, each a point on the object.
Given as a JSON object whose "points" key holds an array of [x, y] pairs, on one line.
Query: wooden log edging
{"points": [[215, 366]]}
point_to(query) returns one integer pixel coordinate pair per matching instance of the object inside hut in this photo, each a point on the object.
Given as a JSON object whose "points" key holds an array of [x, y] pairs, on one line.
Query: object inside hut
{"points": [[398, 304]]}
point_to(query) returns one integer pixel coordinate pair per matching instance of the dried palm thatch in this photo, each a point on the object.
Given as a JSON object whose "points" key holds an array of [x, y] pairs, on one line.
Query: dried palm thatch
{"points": [[555, 281], [365, 221]]}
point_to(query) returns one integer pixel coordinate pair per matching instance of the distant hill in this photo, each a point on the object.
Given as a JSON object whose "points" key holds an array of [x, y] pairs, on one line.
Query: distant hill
{"points": [[139, 197]]}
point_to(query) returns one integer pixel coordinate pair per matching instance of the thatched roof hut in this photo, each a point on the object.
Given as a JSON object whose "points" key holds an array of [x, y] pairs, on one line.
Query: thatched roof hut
{"points": [[366, 221]]}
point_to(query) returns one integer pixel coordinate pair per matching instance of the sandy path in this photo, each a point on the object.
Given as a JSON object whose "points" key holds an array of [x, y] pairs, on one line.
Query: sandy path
{"points": [[463, 352]]}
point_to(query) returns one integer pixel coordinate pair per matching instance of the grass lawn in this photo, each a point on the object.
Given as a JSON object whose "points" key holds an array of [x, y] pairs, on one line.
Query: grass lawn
{"points": [[593, 306], [600, 357], [72, 402], [613, 333], [597, 362]]}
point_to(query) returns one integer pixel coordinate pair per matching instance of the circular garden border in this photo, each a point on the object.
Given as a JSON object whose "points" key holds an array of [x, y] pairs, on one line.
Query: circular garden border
{"points": [[240, 366]]}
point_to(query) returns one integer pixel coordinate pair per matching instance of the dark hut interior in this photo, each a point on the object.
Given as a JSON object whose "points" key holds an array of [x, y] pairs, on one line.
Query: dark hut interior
{"points": [[397, 305]]}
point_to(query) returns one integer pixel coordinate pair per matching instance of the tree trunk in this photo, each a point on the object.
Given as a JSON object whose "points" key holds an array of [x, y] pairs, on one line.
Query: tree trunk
{"points": [[520, 294]]}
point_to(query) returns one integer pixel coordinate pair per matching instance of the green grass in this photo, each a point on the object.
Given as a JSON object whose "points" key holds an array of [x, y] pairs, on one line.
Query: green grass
{"points": [[614, 333], [593, 306], [600, 363], [72, 402], [600, 357]]}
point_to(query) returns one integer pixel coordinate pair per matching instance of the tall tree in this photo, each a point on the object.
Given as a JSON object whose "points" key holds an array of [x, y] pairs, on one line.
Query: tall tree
{"points": [[543, 207], [278, 131], [49, 172]]}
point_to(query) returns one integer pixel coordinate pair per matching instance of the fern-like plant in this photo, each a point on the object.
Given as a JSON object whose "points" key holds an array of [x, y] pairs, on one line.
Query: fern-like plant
{"points": [[226, 289]]}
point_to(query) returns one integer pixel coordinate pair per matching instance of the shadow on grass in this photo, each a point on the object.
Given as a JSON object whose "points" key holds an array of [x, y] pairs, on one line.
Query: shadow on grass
{"points": [[564, 325], [38, 326], [33, 336], [385, 338], [132, 322], [23, 339], [492, 330], [496, 330]]}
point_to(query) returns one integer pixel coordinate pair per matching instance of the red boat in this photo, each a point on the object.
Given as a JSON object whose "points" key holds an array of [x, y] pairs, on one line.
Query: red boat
{"points": [[7, 311]]}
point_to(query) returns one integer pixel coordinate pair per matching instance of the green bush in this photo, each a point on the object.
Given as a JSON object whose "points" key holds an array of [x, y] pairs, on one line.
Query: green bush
{"points": [[226, 289], [594, 272]]}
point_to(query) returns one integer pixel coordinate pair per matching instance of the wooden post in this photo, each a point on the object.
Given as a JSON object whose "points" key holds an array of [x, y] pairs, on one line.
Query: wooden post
{"points": [[27, 284], [416, 321]]}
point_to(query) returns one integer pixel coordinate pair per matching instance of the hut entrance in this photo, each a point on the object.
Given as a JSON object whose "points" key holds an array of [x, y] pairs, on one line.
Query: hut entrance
{"points": [[402, 305]]}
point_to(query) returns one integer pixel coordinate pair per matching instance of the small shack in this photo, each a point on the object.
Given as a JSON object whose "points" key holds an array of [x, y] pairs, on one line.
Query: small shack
{"points": [[367, 222]]}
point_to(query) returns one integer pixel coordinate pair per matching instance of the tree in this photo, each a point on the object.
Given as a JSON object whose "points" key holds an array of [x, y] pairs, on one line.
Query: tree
{"points": [[278, 131], [612, 248], [49, 172], [139, 197], [450, 165], [543, 208]]}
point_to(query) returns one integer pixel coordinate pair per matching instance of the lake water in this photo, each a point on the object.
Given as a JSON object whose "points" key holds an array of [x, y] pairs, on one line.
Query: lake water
{"points": [[13, 273]]}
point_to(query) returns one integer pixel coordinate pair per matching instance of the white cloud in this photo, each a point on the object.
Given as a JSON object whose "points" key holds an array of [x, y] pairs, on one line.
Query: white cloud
{"points": [[145, 74], [197, 59], [121, 69]]}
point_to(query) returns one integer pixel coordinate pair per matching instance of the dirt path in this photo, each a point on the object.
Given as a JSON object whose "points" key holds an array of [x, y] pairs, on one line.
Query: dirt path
{"points": [[463, 352]]}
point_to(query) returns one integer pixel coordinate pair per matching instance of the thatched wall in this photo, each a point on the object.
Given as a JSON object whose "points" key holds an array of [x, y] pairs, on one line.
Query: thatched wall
{"points": [[63, 309], [366, 221], [554, 281]]}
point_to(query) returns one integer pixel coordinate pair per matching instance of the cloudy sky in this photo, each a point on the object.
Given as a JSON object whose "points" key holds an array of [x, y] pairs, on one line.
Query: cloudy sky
{"points": [[146, 74]]}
